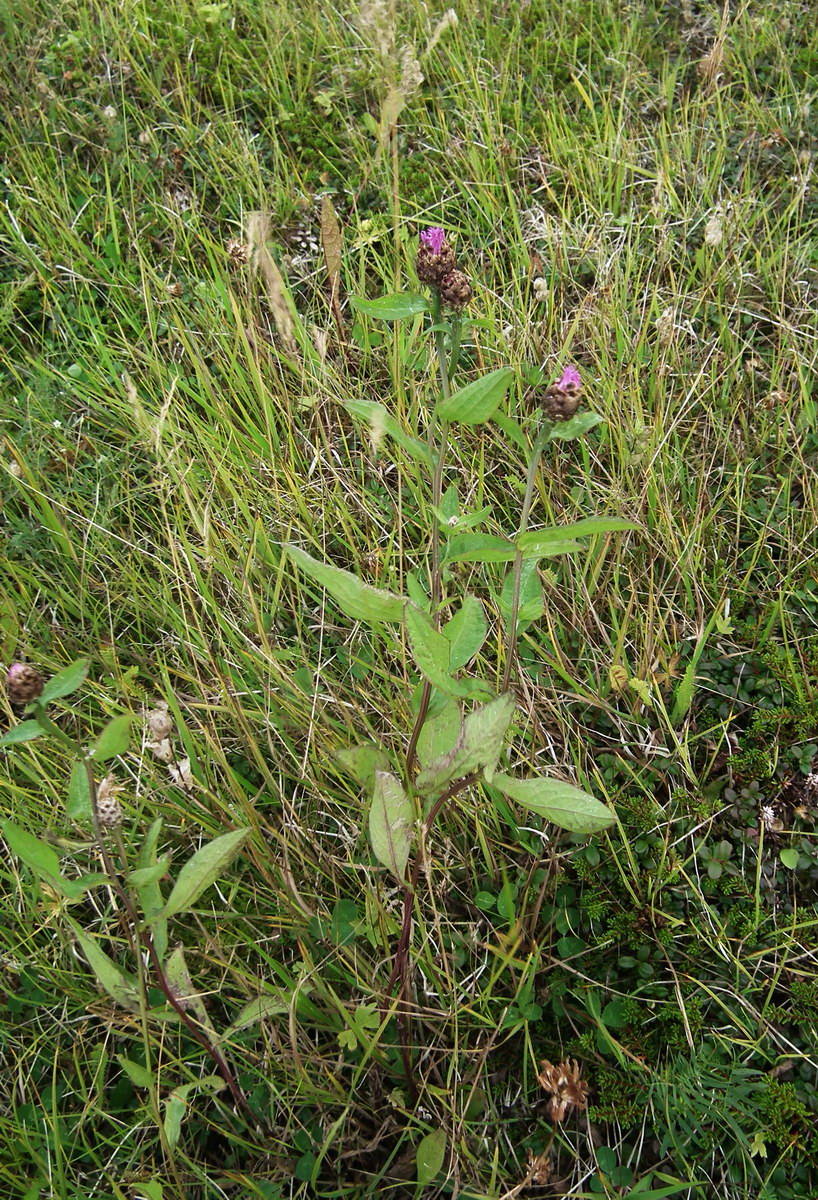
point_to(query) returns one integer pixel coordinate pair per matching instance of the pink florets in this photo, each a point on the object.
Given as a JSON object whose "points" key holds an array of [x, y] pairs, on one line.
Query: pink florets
{"points": [[433, 238], [570, 379]]}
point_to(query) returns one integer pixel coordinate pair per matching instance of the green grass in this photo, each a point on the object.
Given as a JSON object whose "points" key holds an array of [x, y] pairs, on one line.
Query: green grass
{"points": [[159, 446]]}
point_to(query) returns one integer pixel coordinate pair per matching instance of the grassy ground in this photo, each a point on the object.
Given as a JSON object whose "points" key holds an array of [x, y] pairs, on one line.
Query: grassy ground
{"points": [[652, 165]]}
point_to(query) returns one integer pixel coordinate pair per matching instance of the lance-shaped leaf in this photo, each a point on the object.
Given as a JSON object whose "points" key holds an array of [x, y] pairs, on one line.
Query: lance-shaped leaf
{"points": [[430, 1156], [381, 421], [65, 681], [357, 599], [268, 1005], [477, 401], [25, 731], [478, 547], [114, 738], [203, 869], [37, 855], [181, 985], [574, 427], [562, 803], [361, 762], [478, 746], [123, 988], [530, 605], [391, 817], [150, 893], [431, 652], [549, 548], [536, 542], [78, 807], [396, 307], [439, 733], [466, 632]]}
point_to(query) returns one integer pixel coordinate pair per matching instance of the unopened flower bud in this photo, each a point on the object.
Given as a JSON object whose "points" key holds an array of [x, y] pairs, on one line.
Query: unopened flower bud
{"points": [[23, 683], [435, 257], [562, 398], [455, 289]]}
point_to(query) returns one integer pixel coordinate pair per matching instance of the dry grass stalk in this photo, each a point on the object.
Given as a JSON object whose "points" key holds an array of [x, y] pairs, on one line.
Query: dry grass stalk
{"points": [[263, 263]]}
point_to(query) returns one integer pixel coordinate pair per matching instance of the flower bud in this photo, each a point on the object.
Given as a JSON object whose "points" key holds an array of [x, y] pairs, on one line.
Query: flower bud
{"points": [[562, 398], [435, 257], [23, 683], [455, 289]]}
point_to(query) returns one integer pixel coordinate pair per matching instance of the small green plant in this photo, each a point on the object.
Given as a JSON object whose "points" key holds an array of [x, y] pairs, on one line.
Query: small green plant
{"points": [[450, 749], [136, 882]]}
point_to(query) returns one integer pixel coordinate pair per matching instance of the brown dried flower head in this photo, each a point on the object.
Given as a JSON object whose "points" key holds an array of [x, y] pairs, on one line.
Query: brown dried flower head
{"points": [[565, 1086], [160, 726], [23, 683], [238, 251], [455, 289]]}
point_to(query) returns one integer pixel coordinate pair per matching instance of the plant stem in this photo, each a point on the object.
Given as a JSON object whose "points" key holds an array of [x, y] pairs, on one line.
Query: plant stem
{"points": [[511, 641], [436, 582]]}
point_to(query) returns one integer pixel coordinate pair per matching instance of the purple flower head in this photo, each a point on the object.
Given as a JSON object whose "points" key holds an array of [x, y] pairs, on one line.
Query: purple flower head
{"points": [[434, 238], [570, 379], [15, 672]]}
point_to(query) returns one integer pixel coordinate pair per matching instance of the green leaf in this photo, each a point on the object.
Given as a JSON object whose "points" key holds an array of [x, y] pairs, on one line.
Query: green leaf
{"points": [[354, 597], [361, 762], [789, 857], [478, 745], [530, 607], [380, 420], [391, 817], [565, 805], [139, 1075], [431, 650], [116, 982], [79, 795], [395, 307], [466, 631], [588, 527], [431, 1155], [547, 548], [477, 401], [152, 1190], [478, 547], [203, 869], [65, 681], [182, 987], [38, 856], [566, 431], [175, 1109], [145, 877], [263, 1006], [26, 731], [114, 738], [439, 733]]}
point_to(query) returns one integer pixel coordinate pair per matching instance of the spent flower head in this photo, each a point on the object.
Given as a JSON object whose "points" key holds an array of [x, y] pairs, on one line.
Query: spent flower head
{"points": [[23, 683]]}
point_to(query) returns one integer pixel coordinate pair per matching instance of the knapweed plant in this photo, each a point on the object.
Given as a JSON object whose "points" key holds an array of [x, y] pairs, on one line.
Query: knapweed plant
{"points": [[462, 723], [135, 880]]}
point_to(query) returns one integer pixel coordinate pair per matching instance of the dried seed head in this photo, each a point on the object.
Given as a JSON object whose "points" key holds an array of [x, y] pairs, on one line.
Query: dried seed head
{"points": [[566, 1088], [562, 398], [23, 683], [109, 810], [435, 257], [238, 251], [160, 725], [455, 289]]}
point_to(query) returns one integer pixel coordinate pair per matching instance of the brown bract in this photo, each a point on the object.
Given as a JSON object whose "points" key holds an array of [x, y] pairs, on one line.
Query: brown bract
{"points": [[455, 289], [431, 267], [561, 402]]}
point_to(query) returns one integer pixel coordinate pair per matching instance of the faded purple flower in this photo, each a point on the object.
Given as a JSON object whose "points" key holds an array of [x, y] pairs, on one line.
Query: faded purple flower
{"points": [[23, 683], [434, 238], [570, 380]]}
